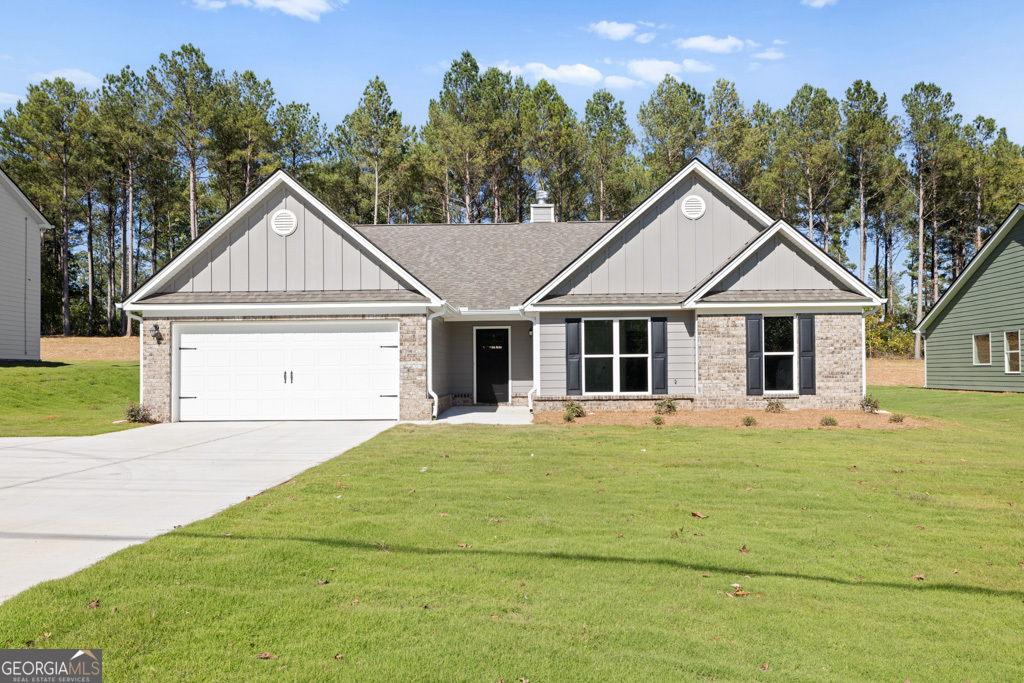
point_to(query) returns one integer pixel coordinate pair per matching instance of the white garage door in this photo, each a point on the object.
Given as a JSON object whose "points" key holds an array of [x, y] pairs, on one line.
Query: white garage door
{"points": [[281, 371]]}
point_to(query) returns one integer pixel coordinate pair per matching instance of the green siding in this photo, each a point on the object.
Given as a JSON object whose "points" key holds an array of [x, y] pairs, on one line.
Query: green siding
{"points": [[991, 301]]}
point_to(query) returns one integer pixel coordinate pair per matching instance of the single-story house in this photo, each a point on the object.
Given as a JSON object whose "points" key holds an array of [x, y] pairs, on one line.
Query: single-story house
{"points": [[282, 310], [20, 222], [972, 334]]}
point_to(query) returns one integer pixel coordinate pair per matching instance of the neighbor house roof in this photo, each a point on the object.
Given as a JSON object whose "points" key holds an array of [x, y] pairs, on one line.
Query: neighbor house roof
{"points": [[485, 266], [332, 297]]}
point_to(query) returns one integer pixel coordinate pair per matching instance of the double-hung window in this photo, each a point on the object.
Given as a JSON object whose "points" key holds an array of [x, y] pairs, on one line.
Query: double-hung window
{"points": [[1011, 352], [779, 354], [617, 356], [982, 349]]}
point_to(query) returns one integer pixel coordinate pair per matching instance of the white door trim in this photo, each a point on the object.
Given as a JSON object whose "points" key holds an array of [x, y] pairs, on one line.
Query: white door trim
{"points": [[508, 328]]}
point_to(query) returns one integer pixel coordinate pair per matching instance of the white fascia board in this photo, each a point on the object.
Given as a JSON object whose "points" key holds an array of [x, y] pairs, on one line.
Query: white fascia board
{"points": [[318, 308], [226, 221], [694, 166], [597, 308], [997, 237], [802, 243]]}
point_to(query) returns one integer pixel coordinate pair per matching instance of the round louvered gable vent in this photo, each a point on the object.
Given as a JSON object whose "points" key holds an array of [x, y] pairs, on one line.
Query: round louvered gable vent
{"points": [[693, 207], [283, 222]]}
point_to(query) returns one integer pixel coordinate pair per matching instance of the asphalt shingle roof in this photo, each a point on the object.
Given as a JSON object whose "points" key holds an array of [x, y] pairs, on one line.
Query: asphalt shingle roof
{"points": [[351, 296], [485, 266], [781, 295], [612, 299]]}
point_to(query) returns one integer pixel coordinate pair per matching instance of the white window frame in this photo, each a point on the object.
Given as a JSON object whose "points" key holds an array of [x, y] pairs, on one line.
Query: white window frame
{"points": [[1007, 352], [792, 354], [615, 356], [974, 348]]}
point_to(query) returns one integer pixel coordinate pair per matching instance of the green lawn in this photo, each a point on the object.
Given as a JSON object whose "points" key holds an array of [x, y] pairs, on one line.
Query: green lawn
{"points": [[582, 560], [65, 398]]}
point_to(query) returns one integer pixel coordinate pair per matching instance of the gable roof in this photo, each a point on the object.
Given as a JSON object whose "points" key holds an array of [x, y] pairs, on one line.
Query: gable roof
{"points": [[805, 245], [485, 266], [227, 221], [696, 166], [972, 267], [21, 197]]}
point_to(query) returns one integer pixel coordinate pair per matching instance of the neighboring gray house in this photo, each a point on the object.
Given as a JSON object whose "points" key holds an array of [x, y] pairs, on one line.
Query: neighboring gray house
{"points": [[281, 310], [972, 335], [20, 223]]}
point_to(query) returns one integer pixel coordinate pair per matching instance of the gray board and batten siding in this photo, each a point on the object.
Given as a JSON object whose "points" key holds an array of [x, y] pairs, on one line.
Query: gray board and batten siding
{"points": [[663, 251], [778, 265], [251, 257], [992, 302]]}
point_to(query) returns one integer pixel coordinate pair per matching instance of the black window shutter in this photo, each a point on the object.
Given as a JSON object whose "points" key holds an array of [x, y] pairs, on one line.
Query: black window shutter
{"points": [[659, 355], [755, 356], [805, 339], [573, 358]]}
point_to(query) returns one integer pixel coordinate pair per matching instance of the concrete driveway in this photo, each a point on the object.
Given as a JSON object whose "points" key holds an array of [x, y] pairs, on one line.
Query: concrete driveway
{"points": [[67, 502]]}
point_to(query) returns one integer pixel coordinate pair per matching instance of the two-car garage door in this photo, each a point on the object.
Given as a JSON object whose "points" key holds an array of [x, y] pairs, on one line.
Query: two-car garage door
{"points": [[288, 371]]}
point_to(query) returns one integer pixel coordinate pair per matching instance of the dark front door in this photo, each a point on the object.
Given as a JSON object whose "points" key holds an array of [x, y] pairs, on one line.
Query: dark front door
{"points": [[492, 366]]}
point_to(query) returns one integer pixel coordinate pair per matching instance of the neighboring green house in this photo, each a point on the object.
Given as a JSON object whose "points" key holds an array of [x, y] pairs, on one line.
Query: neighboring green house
{"points": [[972, 334]]}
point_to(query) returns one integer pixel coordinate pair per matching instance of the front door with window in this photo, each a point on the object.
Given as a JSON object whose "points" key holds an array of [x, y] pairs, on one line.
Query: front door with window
{"points": [[492, 365]]}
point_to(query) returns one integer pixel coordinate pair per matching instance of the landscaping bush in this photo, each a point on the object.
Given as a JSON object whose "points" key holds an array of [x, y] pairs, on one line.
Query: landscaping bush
{"points": [[665, 406], [658, 420], [773, 405], [869, 404], [896, 417], [749, 421], [136, 412], [829, 421], [573, 409]]}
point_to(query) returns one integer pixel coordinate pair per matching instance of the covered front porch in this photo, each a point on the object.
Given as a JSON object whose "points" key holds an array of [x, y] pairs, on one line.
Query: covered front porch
{"points": [[486, 362]]}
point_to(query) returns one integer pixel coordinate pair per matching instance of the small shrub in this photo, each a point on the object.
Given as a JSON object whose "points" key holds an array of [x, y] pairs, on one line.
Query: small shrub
{"points": [[573, 409], [869, 404], [829, 421], [658, 420], [136, 412], [773, 405], [896, 417], [665, 406], [749, 421]]}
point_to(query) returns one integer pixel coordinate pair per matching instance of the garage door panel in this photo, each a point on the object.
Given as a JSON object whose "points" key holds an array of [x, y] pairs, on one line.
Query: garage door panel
{"points": [[280, 371]]}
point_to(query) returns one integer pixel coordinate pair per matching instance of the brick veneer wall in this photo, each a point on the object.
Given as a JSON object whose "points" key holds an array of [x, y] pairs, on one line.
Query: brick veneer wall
{"points": [[413, 403], [722, 370], [547, 404]]}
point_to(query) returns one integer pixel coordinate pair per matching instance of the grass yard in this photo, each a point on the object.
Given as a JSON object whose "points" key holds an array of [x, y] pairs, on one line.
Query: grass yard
{"points": [[69, 398], [554, 554]]}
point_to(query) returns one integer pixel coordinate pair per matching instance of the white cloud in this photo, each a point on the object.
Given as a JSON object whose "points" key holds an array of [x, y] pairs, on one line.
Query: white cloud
{"points": [[645, 38], [772, 53], [310, 10], [576, 74], [7, 98], [818, 4], [710, 44], [509, 68], [620, 82], [780, 42], [5, 57], [655, 70], [751, 44], [648, 24], [612, 30], [82, 79], [606, 60]]}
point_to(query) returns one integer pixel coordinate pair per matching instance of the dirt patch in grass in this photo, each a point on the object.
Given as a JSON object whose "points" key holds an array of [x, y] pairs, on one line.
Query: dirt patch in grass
{"points": [[895, 372], [89, 348], [789, 419]]}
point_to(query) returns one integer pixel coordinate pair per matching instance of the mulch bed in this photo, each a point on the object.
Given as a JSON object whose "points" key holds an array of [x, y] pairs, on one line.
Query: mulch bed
{"points": [[789, 419]]}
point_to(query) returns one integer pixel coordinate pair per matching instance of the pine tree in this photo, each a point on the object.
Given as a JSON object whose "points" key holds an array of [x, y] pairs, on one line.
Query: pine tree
{"points": [[609, 139], [673, 125]]}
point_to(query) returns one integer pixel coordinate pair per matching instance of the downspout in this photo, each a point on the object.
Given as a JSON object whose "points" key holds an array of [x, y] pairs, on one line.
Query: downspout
{"points": [[142, 355], [430, 360], [535, 333]]}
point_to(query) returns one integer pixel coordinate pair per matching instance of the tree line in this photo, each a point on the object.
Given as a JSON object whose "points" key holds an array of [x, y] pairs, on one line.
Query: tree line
{"points": [[134, 171]]}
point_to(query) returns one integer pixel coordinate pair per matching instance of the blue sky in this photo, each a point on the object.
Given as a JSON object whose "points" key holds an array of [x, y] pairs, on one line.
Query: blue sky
{"points": [[324, 51]]}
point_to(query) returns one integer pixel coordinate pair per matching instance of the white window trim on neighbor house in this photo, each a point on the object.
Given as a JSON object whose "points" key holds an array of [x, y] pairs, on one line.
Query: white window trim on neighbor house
{"points": [[615, 355], [974, 347], [792, 355], [1007, 352]]}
